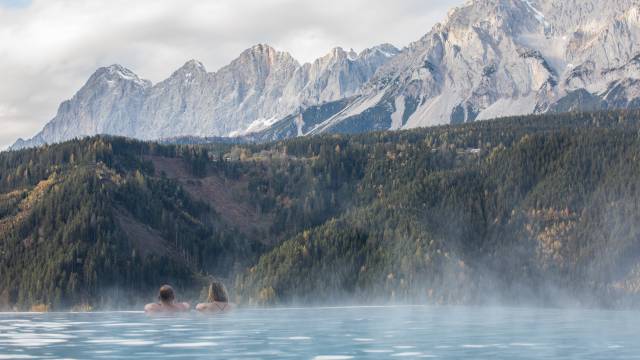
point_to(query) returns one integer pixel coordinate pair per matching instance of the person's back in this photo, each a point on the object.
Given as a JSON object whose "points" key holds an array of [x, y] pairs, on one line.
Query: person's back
{"points": [[167, 302], [217, 301]]}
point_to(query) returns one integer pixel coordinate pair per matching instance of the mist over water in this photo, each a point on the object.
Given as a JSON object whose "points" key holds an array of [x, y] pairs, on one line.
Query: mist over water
{"points": [[326, 333]]}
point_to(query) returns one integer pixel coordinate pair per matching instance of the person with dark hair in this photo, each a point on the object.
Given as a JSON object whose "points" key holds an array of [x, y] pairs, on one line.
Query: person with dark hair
{"points": [[217, 300], [167, 303]]}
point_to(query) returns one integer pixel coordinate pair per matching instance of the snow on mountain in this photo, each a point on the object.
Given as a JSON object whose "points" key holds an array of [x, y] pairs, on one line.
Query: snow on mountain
{"points": [[246, 96], [106, 104], [494, 58], [487, 59]]}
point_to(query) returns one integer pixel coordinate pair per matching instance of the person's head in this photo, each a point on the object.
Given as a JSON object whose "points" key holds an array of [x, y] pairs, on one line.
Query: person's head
{"points": [[166, 294], [217, 292]]}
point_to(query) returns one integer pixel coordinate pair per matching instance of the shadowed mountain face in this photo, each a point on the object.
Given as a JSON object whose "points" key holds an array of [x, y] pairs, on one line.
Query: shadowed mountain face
{"points": [[537, 210], [261, 85]]}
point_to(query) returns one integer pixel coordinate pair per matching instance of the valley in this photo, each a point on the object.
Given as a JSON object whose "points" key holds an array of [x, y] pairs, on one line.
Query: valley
{"points": [[538, 210]]}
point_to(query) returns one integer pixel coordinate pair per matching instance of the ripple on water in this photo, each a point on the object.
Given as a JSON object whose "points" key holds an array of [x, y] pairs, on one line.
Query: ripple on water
{"points": [[124, 342], [14, 320], [363, 340], [41, 325], [21, 335], [125, 324], [189, 345], [332, 357], [479, 346], [214, 337], [150, 353], [33, 340], [407, 354]]}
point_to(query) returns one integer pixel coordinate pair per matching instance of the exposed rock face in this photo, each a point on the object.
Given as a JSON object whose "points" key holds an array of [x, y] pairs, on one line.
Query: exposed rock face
{"points": [[488, 59], [494, 58], [107, 104], [261, 85]]}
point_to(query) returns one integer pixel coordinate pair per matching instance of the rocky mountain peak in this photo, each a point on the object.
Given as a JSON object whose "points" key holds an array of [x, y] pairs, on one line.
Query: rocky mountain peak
{"points": [[338, 53], [192, 69], [194, 65], [386, 50], [116, 73], [266, 54]]}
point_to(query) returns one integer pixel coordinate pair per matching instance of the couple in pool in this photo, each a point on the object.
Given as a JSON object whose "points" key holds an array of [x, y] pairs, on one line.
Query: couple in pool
{"points": [[217, 301]]}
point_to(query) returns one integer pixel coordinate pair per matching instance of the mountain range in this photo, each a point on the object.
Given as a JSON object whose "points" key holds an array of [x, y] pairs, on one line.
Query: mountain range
{"points": [[258, 87], [487, 59]]}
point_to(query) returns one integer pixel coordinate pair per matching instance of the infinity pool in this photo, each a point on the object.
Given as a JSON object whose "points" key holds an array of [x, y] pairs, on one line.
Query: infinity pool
{"points": [[326, 333]]}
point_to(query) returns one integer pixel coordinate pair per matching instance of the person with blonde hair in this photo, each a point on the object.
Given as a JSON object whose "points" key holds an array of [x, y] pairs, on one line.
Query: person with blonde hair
{"points": [[167, 303], [217, 300]]}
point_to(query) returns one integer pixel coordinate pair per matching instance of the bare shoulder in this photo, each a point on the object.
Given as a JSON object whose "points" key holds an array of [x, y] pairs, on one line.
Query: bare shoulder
{"points": [[151, 307], [204, 307], [159, 308]]}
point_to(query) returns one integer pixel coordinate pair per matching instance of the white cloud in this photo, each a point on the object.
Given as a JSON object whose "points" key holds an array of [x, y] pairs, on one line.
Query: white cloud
{"points": [[48, 48]]}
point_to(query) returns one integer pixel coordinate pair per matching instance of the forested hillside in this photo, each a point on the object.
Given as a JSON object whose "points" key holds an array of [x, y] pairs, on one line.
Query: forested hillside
{"points": [[542, 210]]}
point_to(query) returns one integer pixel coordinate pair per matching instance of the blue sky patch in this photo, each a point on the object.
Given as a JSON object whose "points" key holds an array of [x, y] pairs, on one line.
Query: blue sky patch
{"points": [[15, 3]]}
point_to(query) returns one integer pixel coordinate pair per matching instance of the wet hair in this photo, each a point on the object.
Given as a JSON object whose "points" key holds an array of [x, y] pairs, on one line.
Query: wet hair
{"points": [[166, 294], [217, 292]]}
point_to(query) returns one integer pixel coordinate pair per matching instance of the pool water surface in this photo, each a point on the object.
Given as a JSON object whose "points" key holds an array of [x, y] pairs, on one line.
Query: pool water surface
{"points": [[326, 333]]}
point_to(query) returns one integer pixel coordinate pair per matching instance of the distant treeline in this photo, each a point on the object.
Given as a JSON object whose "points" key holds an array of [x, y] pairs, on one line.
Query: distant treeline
{"points": [[540, 210]]}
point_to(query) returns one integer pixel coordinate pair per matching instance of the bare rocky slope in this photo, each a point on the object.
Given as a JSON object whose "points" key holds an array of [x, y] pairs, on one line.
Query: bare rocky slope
{"points": [[248, 95], [487, 59], [496, 58]]}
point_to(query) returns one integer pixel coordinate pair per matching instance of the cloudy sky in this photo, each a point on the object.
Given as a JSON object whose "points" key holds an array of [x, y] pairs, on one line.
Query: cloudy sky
{"points": [[48, 48]]}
